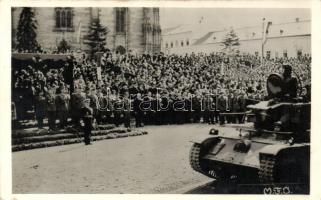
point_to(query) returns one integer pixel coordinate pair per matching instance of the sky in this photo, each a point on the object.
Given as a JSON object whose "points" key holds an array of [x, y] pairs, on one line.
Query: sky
{"points": [[220, 18]]}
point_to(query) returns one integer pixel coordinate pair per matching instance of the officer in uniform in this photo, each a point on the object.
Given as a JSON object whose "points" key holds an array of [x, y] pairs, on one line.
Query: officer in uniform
{"points": [[76, 100], [87, 116]]}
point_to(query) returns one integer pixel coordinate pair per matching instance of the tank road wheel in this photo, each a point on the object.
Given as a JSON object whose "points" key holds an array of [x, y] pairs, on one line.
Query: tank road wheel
{"points": [[195, 156]]}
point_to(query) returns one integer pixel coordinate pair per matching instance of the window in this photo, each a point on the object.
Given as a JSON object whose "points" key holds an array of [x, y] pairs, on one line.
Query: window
{"points": [[281, 32], [285, 53], [187, 42], [172, 45], [120, 20], [256, 53], [182, 43], [64, 19], [276, 54], [166, 45]]}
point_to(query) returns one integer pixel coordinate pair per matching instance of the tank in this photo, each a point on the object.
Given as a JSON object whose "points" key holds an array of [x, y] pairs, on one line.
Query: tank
{"points": [[272, 148]]}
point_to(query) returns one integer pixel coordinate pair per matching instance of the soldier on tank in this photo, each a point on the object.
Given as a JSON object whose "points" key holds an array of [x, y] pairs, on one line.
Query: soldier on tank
{"points": [[290, 86]]}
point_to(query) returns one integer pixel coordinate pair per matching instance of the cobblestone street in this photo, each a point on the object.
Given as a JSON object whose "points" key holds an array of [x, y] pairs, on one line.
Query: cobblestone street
{"points": [[153, 163]]}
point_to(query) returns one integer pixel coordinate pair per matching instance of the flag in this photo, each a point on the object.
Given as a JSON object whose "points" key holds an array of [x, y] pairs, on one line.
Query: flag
{"points": [[99, 77], [79, 32], [266, 32], [222, 69]]}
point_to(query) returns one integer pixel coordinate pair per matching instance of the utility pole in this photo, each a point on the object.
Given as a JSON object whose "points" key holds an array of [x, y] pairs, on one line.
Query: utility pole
{"points": [[262, 54]]}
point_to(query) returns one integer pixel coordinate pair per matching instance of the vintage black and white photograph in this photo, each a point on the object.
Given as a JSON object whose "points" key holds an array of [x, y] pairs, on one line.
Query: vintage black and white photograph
{"points": [[160, 100]]}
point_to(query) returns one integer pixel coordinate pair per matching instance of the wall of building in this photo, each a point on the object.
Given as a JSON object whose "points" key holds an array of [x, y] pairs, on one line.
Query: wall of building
{"points": [[136, 30], [276, 46], [132, 39], [176, 40], [289, 37]]}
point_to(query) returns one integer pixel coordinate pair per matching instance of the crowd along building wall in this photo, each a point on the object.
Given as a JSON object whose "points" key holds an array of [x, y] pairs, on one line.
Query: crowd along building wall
{"points": [[126, 27], [290, 39]]}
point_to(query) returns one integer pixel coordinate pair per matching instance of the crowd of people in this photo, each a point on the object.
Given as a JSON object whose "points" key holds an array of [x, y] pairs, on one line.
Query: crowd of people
{"points": [[152, 89]]}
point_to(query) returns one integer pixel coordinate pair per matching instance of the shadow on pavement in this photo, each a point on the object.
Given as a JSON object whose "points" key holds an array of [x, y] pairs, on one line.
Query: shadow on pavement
{"points": [[214, 187]]}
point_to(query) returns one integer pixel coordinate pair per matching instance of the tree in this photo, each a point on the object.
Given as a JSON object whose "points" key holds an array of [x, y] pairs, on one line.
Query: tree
{"points": [[96, 37], [27, 31], [230, 41]]}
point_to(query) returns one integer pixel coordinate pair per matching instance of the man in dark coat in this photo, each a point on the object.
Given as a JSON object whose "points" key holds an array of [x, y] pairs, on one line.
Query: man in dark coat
{"points": [[87, 116], [139, 114], [126, 109], [290, 86], [222, 107], [40, 108], [77, 98]]}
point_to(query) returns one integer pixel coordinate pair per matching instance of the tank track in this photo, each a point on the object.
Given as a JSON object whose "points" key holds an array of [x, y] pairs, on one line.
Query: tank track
{"points": [[194, 158], [195, 162], [267, 168]]}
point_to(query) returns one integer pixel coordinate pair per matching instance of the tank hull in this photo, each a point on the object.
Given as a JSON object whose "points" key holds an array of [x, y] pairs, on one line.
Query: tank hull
{"points": [[264, 162]]}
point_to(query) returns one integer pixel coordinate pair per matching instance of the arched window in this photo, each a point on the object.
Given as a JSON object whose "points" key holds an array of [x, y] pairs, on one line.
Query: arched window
{"points": [[69, 19], [64, 19], [58, 19], [120, 20]]}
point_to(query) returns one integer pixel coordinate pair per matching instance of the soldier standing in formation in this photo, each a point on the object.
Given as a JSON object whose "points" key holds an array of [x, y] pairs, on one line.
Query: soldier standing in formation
{"points": [[87, 116], [51, 109], [62, 104]]}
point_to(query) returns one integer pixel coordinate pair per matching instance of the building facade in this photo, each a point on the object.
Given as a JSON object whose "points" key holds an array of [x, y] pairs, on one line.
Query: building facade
{"points": [[289, 39], [129, 29]]}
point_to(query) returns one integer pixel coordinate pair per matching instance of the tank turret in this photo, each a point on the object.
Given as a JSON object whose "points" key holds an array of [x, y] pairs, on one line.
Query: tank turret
{"points": [[273, 148]]}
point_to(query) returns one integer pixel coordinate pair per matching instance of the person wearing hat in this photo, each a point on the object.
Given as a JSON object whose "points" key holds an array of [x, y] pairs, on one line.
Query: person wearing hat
{"points": [[290, 85], [87, 116]]}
